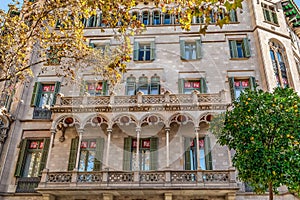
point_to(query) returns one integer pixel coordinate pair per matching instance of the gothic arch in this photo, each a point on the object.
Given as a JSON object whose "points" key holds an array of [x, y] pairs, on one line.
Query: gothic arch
{"points": [[181, 118], [67, 121], [95, 120]]}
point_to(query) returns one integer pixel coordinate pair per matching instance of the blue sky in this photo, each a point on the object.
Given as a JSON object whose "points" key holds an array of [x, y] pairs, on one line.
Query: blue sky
{"points": [[4, 3]]}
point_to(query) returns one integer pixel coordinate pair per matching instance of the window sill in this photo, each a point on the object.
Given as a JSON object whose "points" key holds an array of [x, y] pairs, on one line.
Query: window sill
{"points": [[187, 60], [271, 23], [245, 58], [143, 61]]}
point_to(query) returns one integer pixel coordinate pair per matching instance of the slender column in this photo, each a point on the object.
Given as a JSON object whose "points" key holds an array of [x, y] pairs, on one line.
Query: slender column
{"points": [[138, 132], [167, 129], [53, 132], [198, 148], [80, 131], [109, 131]]}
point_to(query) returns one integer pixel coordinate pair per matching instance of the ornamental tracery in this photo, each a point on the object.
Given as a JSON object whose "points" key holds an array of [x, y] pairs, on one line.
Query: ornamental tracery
{"points": [[63, 123], [181, 119]]}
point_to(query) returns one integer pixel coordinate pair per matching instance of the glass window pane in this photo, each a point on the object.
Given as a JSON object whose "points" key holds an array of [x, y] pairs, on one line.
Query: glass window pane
{"points": [[90, 161], [202, 159], [82, 161]]}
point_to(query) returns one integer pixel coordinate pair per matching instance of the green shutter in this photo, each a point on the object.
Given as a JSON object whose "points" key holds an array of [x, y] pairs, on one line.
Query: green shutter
{"points": [[104, 88], [152, 50], [73, 154], [187, 156], [36, 94], [203, 86], [232, 88], [198, 49], [252, 83], [182, 49], [56, 90], [92, 45], [21, 158], [207, 149], [153, 153], [99, 154], [233, 49], [232, 16], [246, 47], [44, 155], [127, 153], [180, 85], [136, 51]]}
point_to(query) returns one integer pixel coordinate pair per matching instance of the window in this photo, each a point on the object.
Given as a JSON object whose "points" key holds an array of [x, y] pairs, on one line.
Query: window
{"points": [[143, 85], [238, 85], [32, 157], [167, 18], [148, 155], [155, 85], [95, 88], [144, 51], [269, 13], [239, 48], [277, 53], [91, 154], [232, 16], [197, 19], [190, 50], [156, 18], [131, 85], [52, 56], [146, 18], [44, 94], [187, 86], [191, 157]]}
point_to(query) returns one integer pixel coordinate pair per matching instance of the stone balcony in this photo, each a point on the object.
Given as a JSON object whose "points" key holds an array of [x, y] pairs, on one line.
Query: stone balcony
{"points": [[201, 181], [140, 102]]}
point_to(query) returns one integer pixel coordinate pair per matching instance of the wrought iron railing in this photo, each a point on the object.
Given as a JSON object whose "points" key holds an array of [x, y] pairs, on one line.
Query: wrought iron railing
{"points": [[27, 184]]}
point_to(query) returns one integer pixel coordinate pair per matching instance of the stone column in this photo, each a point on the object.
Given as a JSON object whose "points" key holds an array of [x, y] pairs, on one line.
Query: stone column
{"points": [[167, 129], [109, 131], [80, 131], [138, 132], [198, 148], [53, 132]]}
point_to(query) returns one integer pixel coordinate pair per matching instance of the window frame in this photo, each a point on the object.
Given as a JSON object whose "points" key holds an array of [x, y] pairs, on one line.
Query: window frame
{"points": [[270, 14], [198, 49], [37, 93], [148, 47], [232, 80], [202, 88], [244, 46], [102, 92]]}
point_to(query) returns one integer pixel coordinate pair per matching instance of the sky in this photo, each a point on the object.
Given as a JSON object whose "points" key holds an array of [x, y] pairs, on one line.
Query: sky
{"points": [[4, 3]]}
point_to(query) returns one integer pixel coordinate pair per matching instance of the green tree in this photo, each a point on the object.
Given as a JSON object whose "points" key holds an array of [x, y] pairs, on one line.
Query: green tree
{"points": [[264, 130]]}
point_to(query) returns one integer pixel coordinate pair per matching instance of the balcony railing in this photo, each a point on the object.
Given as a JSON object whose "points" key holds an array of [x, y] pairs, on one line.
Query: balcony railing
{"points": [[41, 113], [27, 184], [139, 100], [164, 179]]}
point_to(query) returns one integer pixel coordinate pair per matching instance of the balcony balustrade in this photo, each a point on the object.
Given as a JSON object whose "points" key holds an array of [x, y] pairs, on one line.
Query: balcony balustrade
{"points": [[41, 113]]}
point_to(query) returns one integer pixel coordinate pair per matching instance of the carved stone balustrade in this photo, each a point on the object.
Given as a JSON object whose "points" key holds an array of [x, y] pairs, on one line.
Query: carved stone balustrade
{"points": [[140, 102]]}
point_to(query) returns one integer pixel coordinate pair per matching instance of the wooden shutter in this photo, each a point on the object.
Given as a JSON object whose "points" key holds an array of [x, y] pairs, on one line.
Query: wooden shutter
{"points": [[136, 48], [104, 88], [187, 156], [207, 150], [180, 85], [56, 90], [182, 49], [36, 94], [232, 88], [252, 83], [21, 158], [127, 153], [203, 86], [233, 49], [246, 47], [44, 155], [198, 49], [152, 50], [73, 154], [153, 153], [99, 154]]}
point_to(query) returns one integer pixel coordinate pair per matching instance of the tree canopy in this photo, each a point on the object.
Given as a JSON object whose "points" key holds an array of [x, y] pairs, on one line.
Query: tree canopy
{"points": [[46, 29], [264, 130]]}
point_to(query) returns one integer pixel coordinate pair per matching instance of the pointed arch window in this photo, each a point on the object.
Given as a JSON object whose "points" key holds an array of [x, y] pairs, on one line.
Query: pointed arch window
{"points": [[131, 85], [277, 53], [155, 85], [143, 84]]}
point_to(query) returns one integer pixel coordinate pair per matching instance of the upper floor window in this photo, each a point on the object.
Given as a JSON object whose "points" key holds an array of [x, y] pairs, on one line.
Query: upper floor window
{"points": [[190, 50], [44, 94], [232, 16], [146, 18], [187, 86], [144, 51], [32, 157], [270, 14], [167, 18], [91, 150], [131, 85], [95, 88], [156, 18], [143, 85], [239, 48], [238, 85], [148, 156], [277, 53], [52, 56]]}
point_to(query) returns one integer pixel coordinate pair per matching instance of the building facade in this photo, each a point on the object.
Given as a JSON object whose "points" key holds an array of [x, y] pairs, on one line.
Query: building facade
{"points": [[148, 137]]}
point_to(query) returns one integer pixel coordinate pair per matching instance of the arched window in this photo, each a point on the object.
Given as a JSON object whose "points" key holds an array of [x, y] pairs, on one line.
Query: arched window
{"points": [[156, 18], [277, 53], [130, 85], [167, 18], [146, 18], [143, 84], [135, 15], [155, 85]]}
